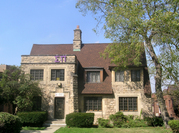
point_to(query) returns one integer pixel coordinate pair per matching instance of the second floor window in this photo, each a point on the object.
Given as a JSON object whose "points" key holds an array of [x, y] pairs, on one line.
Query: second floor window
{"points": [[135, 75], [93, 76], [119, 76], [36, 74], [57, 74]]}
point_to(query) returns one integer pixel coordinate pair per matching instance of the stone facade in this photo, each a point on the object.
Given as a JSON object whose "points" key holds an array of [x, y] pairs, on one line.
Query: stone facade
{"points": [[129, 88], [89, 81], [51, 90], [110, 103]]}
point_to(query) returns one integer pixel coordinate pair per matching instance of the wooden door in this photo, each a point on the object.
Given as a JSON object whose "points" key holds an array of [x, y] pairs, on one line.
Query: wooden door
{"points": [[59, 107]]}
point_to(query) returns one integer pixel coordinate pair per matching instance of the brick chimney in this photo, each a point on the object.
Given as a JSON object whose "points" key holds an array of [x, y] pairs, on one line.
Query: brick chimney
{"points": [[77, 39]]}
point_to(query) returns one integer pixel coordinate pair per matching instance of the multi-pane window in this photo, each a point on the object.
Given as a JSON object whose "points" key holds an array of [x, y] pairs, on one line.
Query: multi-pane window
{"points": [[36, 74], [57, 74], [135, 75], [119, 76], [93, 76], [93, 103], [127, 103], [37, 103]]}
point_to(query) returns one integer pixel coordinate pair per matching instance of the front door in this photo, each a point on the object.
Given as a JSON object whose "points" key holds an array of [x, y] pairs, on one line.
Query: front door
{"points": [[59, 108]]}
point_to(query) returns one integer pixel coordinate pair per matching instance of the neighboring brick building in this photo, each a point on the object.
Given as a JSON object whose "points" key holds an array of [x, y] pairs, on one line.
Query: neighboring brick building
{"points": [[75, 78], [168, 103], [4, 108]]}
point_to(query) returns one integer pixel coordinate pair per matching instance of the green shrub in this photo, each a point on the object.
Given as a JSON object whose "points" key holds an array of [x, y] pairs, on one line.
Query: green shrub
{"points": [[118, 119], [104, 123], [174, 125], [134, 123], [9, 123], [80, 119], [33, 119], [154, 121]]}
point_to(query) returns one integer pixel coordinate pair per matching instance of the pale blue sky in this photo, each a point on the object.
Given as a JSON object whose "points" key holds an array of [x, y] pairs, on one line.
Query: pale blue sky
{"points": [[27, 22]]}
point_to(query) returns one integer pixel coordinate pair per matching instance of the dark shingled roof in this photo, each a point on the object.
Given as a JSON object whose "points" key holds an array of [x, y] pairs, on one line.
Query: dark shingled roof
{"points": [[88, 57]]}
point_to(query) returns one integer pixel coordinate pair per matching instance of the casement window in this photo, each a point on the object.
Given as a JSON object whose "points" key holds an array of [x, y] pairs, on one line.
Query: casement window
{"points": [[36, 74], [93, 75], [127, 103], [119, 76], [135, 75], [37, 101], [93, 103], [57, 74], [0, 76]]}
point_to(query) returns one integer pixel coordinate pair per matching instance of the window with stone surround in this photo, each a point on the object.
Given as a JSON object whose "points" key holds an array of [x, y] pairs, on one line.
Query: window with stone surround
{"points": [[127, 103], [135, 75], [119, 76], [93, 103], [36, 74], [57, 74]]}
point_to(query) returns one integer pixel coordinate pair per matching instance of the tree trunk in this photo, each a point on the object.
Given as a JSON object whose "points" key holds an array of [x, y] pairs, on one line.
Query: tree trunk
{"points": [[159, 94], [158, 79]]}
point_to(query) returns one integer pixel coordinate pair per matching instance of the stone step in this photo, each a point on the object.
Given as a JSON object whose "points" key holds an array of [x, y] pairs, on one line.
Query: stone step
{"points": [[54, 123]]}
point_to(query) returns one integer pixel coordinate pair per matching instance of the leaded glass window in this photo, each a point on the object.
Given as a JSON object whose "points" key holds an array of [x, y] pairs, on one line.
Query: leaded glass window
{"points": [[57, 74], [36, 74], [127, 103]]}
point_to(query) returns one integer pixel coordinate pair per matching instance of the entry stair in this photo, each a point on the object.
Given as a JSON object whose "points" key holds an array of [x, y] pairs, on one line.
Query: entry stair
{"points": [[54, 123]]}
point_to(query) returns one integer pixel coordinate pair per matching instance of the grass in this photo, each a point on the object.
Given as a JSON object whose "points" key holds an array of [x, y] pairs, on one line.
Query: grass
{"points": [[114, 130], [33, 128]]}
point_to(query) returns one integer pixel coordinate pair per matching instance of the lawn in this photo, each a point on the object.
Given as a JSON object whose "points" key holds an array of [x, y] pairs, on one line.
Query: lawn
{"points": [[114, 130]]}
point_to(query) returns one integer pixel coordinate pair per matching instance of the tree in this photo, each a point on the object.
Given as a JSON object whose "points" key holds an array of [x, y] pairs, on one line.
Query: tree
{"points": [[128, 23], [17, 89]]}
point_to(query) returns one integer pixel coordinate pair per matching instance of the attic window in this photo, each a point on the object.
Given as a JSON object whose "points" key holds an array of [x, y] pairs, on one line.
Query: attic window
{"points": [[93, 75]]}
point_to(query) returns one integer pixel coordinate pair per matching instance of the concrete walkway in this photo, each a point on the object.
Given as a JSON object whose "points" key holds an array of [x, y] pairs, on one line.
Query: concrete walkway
{"points": [[47, 130]]}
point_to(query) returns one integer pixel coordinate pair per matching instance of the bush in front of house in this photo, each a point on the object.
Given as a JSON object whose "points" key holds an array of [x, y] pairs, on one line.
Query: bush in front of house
{"points": [[131, 122], [10, 123], [118, 119], [104, 123], [80, 119], [33, 119], [154, 121], [174, 125]]}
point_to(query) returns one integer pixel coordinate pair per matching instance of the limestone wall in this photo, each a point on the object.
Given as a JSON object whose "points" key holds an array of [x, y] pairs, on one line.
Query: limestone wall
{"points": [[132, 89], [51, 88]]}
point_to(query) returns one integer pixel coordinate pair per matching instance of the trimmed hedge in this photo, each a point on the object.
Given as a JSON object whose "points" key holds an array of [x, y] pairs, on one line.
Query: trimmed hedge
{"points": [[10, 123], [80, 119], [118, 119], [174, 125], [33, 119]]}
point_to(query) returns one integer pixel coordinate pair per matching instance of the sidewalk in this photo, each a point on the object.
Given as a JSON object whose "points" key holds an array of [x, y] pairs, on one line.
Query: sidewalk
{"points": [[47, 130]]}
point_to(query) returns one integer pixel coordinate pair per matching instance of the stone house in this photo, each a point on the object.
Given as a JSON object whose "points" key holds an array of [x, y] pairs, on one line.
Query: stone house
{"points": [[75, 78]]}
